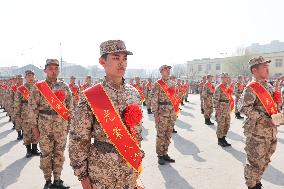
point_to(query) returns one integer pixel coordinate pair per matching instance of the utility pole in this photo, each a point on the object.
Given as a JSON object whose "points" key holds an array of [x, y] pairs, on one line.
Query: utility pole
{"points": [[60, 59]]}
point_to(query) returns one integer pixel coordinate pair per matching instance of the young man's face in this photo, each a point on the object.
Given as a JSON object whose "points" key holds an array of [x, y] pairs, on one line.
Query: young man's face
{"points": [[72, 80], [115, 64], [52, 71], [225, 80], [20, 81], [30, 78], [240, 79], [262, 71], [210, 79], [166, 72]]}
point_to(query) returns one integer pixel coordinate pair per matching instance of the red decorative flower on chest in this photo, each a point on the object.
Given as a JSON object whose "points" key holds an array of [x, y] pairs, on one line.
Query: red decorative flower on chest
{"points": [[60, 94], [132, 115]]}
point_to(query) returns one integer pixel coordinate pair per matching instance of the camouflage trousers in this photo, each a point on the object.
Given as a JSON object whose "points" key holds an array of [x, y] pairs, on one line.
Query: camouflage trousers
{"points": [[148, 102], [18, 124], [259, 151], [108, 170], [201, 102], [52, 143], [28, 136], [223, 119], [164, 134], [237, 98], [208, 107]]}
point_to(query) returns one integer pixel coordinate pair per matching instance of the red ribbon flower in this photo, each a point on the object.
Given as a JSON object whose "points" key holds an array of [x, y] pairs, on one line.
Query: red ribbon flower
{"points": [[132, 115], [60, 95]]}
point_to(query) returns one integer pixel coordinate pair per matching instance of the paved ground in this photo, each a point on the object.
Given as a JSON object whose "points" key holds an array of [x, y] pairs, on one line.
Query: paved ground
{"points": [[200, 162]]}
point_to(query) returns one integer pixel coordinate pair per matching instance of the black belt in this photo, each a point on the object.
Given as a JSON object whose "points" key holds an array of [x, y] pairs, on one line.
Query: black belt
{"points": [[227, 101], [104, 147], [48, 112], [165, 103], [24, 101]]}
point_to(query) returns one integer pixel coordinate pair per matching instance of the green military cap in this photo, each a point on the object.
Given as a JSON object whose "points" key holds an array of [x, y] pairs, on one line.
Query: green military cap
{"points": [[27, 72], [51, 61], [20, 76], [257, 60], [224, 75], [164, 67], [113, 46]]}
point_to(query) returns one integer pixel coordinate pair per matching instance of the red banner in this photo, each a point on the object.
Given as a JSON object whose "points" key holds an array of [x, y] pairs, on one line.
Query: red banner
{"points": [[52, 99], [14, 88], [75, 91], [264, 97], [229, 95], [24, 91], [171, 95], [140, 90], [113, 126], [210, 86]]}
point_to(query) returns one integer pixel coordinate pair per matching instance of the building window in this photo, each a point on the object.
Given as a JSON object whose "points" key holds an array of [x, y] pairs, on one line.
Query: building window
{"points": [[278, 63], [199, 68], [208, 67], [218, 67]]}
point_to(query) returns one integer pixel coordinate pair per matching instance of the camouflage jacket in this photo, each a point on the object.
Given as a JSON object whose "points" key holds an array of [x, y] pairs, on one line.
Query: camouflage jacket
{"points": [[85, 126], [206, 92], [220, 100], [21, 105], [237, 90], [37, 101], [158, 97], [257, 121]]}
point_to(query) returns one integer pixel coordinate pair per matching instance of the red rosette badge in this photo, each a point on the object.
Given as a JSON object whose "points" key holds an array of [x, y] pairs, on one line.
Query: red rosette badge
{"points": [[132, 115], [60, 95]]}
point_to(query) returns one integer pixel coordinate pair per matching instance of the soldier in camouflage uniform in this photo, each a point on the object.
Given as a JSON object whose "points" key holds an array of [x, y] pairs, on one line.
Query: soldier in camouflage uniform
{"points": [[75, 93], [207, 96], [22, 112], [165, 116], [88, 83], [17, 124], [52, 127], [99, 164], [148, 94], [221, 104], [200, 88], [238, 90], [259, 129]]}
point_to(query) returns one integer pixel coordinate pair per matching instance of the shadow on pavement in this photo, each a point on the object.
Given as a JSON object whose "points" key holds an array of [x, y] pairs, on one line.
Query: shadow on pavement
{"points": [[5, 133], [173, 179], [271, 174], [6, 148], [183, 125], [11, 174], [187, 148], [186, 114], [231, 135]]}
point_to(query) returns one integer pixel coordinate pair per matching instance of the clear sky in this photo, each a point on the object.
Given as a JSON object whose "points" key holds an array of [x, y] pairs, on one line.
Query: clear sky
{"points": [[157, 31]]}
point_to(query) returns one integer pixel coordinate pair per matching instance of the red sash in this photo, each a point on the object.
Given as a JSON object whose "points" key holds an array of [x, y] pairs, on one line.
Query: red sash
{"points": [[264, 96], [14, 88], [210, 86], [241, 86], [140, 90], [74, 91], [52, 99], [83, 87], [24, 91], [171, 96], [110, 121], [228, 94]]}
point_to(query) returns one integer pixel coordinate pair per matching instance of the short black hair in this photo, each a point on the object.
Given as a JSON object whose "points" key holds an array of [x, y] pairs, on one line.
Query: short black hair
{"points": [[104, 56], [254, 66]]}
